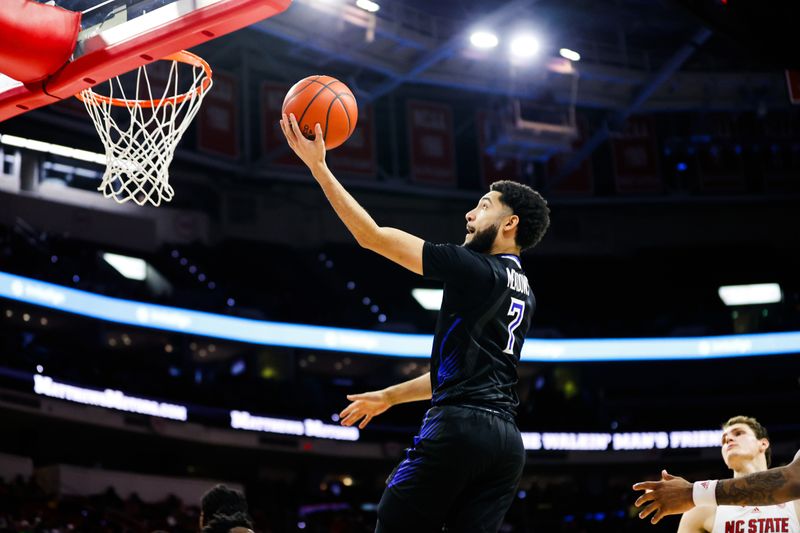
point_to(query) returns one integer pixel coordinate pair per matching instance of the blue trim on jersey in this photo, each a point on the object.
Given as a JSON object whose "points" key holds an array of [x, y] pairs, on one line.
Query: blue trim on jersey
{"points": [[447, 366], [513, 258], [441, 346]]}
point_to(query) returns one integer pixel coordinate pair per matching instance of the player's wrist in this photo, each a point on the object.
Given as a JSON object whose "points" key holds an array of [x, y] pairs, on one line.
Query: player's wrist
{"points": [[704, 493], [318, 168], [386, 396]]}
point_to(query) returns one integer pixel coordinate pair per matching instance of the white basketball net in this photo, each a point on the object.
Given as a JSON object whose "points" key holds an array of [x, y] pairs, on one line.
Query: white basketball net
{"points": [[140, 141]]}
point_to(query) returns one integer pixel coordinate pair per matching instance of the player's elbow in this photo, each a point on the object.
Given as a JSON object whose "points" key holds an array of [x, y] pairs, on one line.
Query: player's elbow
{"points": [[370, 239], [794, 489], [793, 474]]}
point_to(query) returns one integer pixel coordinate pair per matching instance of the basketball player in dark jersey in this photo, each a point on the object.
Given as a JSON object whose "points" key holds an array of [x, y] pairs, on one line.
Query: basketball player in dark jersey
{"points": [[464, 467]]}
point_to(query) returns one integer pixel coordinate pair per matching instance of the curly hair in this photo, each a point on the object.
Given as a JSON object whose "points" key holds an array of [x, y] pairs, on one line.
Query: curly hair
{"points": [[223, 523], [529, 206], [759, 431], [222, 500]]}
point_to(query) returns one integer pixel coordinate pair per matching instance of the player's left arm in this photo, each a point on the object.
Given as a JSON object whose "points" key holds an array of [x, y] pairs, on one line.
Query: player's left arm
{"points": [[674, 495], [770, 487], [394, 244]]}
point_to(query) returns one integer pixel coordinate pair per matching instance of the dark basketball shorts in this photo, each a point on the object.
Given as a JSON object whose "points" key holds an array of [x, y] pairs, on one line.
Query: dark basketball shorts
{"points": [[461, 474]]}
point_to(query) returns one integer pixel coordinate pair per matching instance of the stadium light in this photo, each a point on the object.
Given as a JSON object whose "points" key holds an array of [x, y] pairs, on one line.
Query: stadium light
{"points": [[524, 46], [483, 39], [130, 267], [759, 293], [414, 345], [572, 55], [50, 148], [368, 5], [430, 299]]}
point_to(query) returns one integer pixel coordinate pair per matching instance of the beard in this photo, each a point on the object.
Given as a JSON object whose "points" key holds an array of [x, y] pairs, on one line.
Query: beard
{"points": [[483, 240]]}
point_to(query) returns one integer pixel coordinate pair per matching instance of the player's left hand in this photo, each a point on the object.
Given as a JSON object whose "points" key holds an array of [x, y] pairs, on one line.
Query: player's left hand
{"points": [[671, 495], [364, 407], [312, 152]]}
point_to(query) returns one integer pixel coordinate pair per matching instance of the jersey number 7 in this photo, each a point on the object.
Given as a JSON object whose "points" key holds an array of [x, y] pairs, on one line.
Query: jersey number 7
{"points": [[516, 310]]}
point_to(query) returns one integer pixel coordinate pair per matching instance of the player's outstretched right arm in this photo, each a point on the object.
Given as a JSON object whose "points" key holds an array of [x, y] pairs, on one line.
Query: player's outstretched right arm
{"points": [[394, 244], [674, 495], [368, 405]]}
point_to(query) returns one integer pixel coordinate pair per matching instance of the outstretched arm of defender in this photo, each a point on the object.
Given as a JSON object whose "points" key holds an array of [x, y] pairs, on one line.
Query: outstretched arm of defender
{"points": [[770, 487], [396, 245], [368, 405], [674, 495]]}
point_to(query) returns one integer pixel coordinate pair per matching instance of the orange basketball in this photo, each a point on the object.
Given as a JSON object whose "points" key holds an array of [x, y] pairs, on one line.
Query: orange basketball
{"points": [[325, 100]]}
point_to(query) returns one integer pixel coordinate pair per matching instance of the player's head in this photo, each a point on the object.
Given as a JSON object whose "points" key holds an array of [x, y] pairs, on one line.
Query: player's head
{"points": [[744, 440], [221, 500], [237, 522], [510, 213]]}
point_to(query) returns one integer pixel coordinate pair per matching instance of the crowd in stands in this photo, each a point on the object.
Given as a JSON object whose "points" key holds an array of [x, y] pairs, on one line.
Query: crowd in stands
{"points": [[562, 507]]}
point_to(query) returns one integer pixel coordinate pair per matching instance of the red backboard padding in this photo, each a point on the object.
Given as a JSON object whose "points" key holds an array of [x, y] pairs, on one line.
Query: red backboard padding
{"points": [[197, 27], [35, 39]]}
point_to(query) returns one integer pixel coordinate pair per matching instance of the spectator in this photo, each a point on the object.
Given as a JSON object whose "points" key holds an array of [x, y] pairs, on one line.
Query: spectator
{"points": [[235, 523], [224, 501]]}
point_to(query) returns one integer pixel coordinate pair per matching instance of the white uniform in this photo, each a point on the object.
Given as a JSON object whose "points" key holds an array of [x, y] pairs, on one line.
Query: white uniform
{"points": [[756, 519]]}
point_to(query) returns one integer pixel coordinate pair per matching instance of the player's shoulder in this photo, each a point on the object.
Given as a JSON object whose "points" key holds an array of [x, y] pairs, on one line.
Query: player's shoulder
{"points": [[458, 250], [448, 246]]}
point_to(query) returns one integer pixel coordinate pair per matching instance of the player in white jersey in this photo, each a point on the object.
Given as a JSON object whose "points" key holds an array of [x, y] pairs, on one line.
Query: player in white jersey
{"points": [[674, 495], [746, 450]]}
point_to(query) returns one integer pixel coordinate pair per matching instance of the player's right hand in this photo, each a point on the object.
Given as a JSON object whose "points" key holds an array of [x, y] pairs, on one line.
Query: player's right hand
{"points": [[364, 406], [312, 152]]}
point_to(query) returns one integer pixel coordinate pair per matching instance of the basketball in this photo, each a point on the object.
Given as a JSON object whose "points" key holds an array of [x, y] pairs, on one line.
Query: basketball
{"points": [[325, 100]]}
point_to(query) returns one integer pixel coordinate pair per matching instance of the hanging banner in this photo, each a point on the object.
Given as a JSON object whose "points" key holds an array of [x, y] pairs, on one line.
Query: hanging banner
{"points": [[218, 118], [356, 157], [579, 182], [273, 144], [430, 130], [635, 156], [493, 168]]}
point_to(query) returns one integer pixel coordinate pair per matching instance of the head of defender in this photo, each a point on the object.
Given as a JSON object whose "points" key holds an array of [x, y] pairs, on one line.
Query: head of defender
{"points": [[510, 218], [745, 440]]}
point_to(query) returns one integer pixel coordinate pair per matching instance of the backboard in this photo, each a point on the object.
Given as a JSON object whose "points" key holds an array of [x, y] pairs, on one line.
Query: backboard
{"points": [[117, 36]]}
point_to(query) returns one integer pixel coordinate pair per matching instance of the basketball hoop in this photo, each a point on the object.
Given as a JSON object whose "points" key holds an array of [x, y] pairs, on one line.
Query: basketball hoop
{"points": [[140, 142]]}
